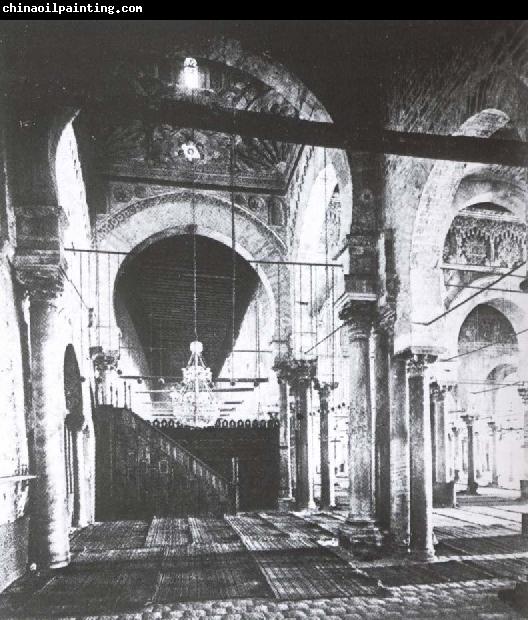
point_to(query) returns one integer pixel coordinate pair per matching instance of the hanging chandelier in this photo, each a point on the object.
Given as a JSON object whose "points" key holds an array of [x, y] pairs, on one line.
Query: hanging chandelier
{"points": [[193, 401]]}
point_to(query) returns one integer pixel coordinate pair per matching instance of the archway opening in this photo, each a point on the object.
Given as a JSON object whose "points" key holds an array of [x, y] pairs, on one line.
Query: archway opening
{"points": [[157, 288], [489, 415]]}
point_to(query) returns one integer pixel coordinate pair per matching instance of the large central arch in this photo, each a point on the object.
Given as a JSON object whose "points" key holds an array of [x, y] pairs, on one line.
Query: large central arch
{"points": [[142, 223]]}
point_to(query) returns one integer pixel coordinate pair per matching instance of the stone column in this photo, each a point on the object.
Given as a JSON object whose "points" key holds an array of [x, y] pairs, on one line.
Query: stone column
{"points": [[285, 491], [523, 393], [439, 436], [382, 426], [360, 527], [421, 504], [471, 484], [327, 499], [494, 475], [456, 452], [300, 374], [399, 454], [49, 533]]}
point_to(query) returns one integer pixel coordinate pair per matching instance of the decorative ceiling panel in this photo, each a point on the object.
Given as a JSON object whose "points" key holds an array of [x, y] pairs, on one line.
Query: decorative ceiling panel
{"points": [[144, 150]]}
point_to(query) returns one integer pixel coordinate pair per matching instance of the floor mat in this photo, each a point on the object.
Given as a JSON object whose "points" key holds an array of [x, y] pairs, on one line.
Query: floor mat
{"points": [[483, 545], [90, 589], [293, 525], [253, 526], [311, 573], [206, 572], [110, 535], [213, 531], [168, 532]]}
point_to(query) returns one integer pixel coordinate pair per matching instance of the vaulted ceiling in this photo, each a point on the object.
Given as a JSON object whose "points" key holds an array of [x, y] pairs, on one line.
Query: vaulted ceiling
{"points": [[157, 287], [141, 149]]}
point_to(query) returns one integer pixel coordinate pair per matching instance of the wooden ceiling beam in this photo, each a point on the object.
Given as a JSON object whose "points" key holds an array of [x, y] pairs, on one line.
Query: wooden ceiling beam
{"points": [[276, 128]]}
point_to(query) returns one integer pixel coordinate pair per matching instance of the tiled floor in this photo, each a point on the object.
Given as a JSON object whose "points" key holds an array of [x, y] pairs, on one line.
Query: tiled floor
{"points": [[277, 565]]}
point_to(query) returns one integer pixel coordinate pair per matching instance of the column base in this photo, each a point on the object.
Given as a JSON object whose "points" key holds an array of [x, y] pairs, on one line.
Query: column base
{"points": [[422, 555], [524, 489], [360, 535], [285, 504], [58, 564], [396, 547], [302, 508]]}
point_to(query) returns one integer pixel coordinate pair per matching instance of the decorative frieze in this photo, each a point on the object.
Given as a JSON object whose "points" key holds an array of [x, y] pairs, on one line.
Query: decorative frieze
{"points": [[487, 242]]}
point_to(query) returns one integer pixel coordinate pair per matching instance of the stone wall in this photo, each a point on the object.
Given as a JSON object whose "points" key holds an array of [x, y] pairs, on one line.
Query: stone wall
{"points": [[439, 97]]}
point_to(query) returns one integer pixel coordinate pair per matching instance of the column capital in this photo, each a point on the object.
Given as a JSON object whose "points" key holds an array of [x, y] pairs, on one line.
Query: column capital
{"points": [[418, 362], [468, 419], [523, 392], [438, 392], [41, 276], [324, 388], [359, 315], [297, 372]]}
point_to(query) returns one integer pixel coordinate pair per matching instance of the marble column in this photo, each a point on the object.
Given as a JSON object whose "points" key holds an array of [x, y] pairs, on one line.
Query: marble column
{"points": [[49, 533], [439, 435], [382, 425], [421, 487], [360, 527], [327, 499], [399, 454], [523, 393], [471, 483], [300, 374], [285, 491], [456, 453], [494, 474]]}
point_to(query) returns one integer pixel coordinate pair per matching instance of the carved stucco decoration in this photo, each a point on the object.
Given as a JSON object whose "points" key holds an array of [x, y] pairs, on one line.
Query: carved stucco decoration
{"points": [[485, 242], [147, 149]]}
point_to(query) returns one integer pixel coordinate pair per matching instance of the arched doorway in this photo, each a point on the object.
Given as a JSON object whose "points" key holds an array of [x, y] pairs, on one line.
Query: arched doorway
{"points": [[73, 424], [489, 416]]}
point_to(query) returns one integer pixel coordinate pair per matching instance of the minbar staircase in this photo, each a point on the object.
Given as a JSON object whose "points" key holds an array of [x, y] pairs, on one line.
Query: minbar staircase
{"points": [[141, 473]]}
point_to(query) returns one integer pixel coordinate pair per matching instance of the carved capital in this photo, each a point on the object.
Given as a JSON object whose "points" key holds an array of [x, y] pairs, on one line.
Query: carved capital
{"points": [[417, 363], [359, 316], [468, 419], [324, 388], [42, 275], [296, 372], [438, 392]]}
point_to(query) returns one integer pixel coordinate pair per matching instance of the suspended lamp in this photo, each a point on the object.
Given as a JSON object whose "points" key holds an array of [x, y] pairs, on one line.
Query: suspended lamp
{"points": [[194, 402]]}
